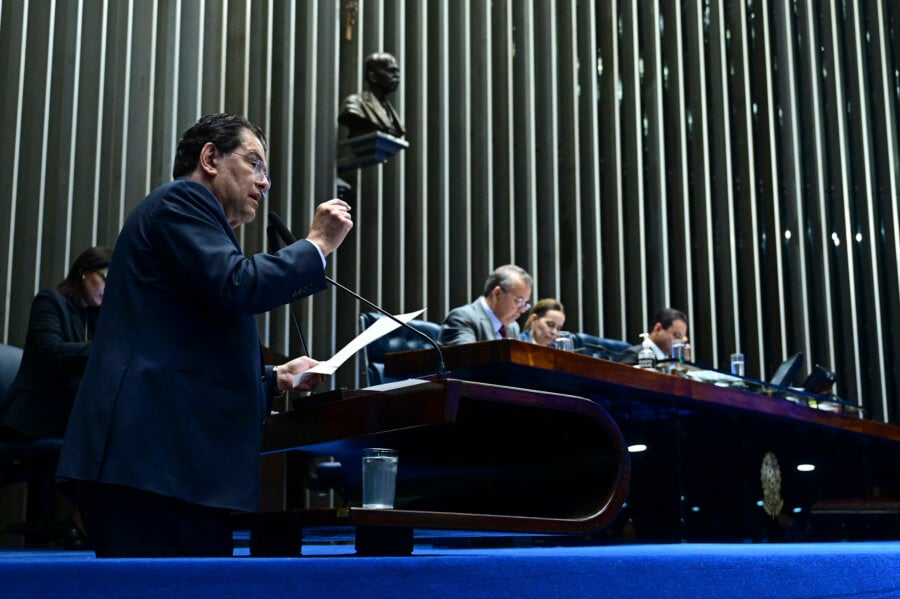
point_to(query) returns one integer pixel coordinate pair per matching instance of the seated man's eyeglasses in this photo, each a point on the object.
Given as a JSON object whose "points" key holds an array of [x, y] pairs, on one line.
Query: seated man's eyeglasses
{"points": [[520, 303]]}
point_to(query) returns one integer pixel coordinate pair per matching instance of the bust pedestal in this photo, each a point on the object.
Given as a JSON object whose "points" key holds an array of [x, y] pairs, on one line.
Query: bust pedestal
{"points": [[366, 150]]}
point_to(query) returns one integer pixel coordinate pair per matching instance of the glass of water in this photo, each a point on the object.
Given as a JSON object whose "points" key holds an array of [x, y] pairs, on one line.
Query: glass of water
{"points": [[678, 352], [737, 364], [564, 341], [379, 476]]}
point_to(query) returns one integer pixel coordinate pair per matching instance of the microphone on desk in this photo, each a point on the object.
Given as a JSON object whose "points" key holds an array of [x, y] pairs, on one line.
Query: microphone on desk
{"points": [[611, 354], [289, 238], [272, 234]]}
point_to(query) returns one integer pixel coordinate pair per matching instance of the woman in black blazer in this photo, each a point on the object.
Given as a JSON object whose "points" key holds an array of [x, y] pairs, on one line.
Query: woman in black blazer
{"points": [[60, 328]]}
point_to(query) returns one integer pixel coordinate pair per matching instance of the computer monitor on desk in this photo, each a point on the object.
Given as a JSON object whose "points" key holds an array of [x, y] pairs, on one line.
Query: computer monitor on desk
{"points": [[820, 380], [812, 391], [783, 378], [787, 371]]}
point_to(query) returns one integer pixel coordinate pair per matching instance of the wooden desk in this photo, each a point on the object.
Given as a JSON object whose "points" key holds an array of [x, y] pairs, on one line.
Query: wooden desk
{"points": [[516, 362], [473, 456], [700, 477]]}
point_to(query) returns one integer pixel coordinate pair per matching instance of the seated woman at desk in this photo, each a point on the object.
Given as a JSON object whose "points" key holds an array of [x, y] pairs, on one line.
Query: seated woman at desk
{"points": [[545, 320], [60, 327]]}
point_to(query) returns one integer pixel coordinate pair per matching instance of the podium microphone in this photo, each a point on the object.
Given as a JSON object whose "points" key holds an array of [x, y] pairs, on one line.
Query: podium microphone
{"points": [[272, 234], [289, 238]]}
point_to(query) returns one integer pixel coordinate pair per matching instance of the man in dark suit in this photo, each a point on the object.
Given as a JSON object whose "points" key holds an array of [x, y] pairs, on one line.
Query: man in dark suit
{"points": [[370, 111], [493, 315], [164, 437]]}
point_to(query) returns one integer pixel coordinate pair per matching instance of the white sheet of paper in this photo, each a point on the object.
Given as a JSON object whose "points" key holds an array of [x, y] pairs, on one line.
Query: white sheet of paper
{"points": [[382, 326], [401, 384], [714, 376]]}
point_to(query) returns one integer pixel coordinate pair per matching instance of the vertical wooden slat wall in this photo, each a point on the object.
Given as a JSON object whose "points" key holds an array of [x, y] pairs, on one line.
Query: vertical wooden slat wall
{"points": [[736, 160]]}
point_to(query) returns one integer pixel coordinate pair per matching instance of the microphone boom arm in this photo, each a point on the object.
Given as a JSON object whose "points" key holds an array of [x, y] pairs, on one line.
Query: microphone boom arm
{"points": [[282, 230], [441, 369], [273, 234]]}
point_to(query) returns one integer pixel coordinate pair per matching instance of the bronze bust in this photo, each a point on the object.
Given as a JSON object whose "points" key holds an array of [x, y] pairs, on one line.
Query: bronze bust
{"points": [[370, 111]]}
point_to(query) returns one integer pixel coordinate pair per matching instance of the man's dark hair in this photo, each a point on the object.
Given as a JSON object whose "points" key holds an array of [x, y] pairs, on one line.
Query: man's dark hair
{"points": [[666, 317], [90, 260], [221, 129], [504, 277]]}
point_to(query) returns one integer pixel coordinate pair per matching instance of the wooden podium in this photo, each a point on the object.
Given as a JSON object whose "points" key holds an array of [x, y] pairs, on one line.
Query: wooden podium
{"points": [[473, 456]]}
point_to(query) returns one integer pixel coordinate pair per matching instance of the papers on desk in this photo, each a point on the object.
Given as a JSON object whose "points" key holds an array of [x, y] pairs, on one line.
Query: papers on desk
{"points": [[380, 327], [715, 377]]}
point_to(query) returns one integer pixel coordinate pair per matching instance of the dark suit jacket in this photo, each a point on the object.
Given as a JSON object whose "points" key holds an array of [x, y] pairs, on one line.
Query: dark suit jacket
{"points": [[471, 323], [38, 402], [174, 395]]}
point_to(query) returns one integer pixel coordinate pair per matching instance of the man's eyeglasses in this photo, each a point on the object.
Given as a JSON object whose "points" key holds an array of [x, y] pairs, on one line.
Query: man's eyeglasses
{"points": [[521, 303], [259, 170]]}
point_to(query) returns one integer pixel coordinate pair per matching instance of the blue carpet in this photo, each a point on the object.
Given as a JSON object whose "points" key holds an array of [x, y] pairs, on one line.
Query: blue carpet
{"points": [[821, 570]]}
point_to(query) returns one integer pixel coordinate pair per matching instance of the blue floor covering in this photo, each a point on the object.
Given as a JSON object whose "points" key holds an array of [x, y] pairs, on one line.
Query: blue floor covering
{"points": [[446, 567]]}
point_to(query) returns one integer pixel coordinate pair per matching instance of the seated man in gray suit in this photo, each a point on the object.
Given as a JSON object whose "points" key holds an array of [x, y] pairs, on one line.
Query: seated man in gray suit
{"points": [[493, 315]]}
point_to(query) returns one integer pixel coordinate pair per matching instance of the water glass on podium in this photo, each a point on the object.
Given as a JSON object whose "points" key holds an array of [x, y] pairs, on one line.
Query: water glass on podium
{"points": [[379, 476]]}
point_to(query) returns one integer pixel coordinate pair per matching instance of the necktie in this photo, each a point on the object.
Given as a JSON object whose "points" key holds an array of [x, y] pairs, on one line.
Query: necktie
{"points": [[502, 331]]}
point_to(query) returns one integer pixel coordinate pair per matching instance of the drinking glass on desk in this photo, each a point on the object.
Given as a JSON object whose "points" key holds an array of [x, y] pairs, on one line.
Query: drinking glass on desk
{"points": [[737, 364], [564, 341], [678, 355]]}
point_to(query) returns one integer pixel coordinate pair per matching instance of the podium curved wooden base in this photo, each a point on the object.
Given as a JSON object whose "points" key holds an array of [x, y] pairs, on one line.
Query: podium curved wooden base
{"points": [[473, 456]]}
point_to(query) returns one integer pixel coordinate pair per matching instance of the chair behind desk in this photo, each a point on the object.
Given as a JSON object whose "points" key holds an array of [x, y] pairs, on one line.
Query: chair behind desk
{"points": [[33, 462], [400, 339], [10, 359], [599, 347]]}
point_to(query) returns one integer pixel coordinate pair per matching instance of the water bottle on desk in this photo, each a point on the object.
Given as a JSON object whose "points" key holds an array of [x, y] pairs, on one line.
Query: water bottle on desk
{"points": [[646, 357]]}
